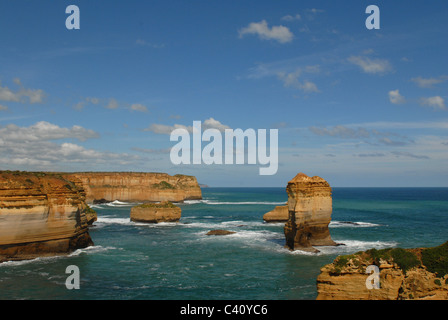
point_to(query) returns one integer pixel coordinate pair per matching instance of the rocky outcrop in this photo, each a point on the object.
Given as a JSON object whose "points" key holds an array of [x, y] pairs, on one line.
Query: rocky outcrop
{"points": [[278, 214], [156, 212], [137, 186], [219, 232], [404, 274], [310, 208], [41, 214]]}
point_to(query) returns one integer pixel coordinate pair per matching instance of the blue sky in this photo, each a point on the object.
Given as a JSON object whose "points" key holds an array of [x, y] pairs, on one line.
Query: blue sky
{"points": [[357, 107]]}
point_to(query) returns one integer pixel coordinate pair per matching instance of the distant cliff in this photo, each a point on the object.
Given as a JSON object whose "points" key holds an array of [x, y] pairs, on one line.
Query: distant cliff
{"points": [[41, 214], [137, 186], [404, 274], [309, 213]]}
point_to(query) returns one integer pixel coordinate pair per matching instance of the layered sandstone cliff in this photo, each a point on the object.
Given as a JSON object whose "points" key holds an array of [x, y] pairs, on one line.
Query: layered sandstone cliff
{"points": [[164, 211], [41, 214], [404, 274], [310, 208], [137, 186]]}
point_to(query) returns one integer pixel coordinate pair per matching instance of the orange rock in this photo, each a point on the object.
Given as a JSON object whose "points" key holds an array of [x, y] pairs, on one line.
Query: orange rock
{"points": [[155, 213], [137, 186], [279, 214], [310, 208], [40, 214]]}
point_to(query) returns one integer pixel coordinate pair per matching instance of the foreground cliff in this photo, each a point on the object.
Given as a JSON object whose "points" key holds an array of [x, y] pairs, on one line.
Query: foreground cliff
{"points": [[41, 214], [309, 213], [404, 274], [137, 186]]}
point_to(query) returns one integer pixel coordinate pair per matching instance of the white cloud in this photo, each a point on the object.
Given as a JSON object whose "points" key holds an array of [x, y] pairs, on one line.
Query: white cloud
{"points": [[371, 137], [37, 148], [214, 124], [395, 97], [164, 129], [428, 82], [139, 107], [22, 95], [372, 66], [206, 124], [113, 104], [292, 18], [3, 108], [291, 80], [44, 131], [436, 102], [281, 34]]}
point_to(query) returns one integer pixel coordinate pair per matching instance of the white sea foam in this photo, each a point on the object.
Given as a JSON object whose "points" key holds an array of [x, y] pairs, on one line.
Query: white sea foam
{"points": [[109, 220], [214, 202], [117, 203], [91, 249], [350, 224], [349, 246]]}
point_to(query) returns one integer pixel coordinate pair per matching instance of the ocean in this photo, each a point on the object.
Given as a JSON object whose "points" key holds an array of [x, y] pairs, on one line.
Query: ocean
{"points": [[178, 261]]}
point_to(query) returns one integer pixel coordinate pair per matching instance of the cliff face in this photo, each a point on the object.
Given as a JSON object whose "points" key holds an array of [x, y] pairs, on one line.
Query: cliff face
{"points": [[40, 214], [137, 187], [310, 208], [404, 274]]}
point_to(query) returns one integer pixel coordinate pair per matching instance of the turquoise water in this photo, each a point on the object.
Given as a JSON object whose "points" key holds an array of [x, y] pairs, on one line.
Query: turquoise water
{"points": [[177, 261]]}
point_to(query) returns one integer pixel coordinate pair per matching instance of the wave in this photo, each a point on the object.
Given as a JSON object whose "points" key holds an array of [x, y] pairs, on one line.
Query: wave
{"points": [[350, 224], [115, 203], [214, 202], [91, 249], [347, 247], [110, 220]]}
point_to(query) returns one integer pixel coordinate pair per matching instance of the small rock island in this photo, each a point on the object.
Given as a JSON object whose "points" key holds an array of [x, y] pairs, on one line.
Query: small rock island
{"points": [[164, 211]]}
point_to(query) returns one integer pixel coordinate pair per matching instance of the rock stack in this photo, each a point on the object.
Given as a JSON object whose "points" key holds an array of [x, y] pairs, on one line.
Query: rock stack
{"points": [[309, 213]]}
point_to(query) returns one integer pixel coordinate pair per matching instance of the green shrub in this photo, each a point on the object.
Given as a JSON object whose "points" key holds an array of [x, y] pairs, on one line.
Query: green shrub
{"points": [[436, 259], [406, 260], [163, 185], [164, 204]]}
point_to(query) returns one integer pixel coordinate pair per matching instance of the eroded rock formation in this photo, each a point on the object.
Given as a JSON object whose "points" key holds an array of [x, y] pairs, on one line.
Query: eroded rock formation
{"points": [[310, 208], [137, 186], [278, 214], [404, 274], [156, 212], [41, 214]]}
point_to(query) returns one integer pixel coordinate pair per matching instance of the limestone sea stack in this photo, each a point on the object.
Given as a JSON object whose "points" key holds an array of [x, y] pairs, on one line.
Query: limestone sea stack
{"points": [[402, 274], [310, 208], [278, 214], [41, 214], [156, 212], [137, 186]]}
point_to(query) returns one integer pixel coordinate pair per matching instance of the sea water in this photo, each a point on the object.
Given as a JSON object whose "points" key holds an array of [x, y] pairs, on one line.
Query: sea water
{"points": [[178, 261]]}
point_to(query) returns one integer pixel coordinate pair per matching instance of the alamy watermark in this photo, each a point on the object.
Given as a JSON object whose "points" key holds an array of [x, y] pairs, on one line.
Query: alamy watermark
{"points": [[73, 280], [373, 281], [236, 147]]}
